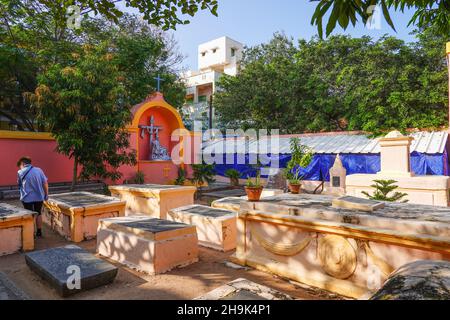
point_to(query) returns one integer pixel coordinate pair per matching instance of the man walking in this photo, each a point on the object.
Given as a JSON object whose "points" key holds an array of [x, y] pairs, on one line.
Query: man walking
{"points": [[33, 187]]}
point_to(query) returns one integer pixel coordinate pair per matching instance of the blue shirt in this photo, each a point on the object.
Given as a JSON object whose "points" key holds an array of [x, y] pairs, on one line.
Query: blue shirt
{"points": [[31, 184]]}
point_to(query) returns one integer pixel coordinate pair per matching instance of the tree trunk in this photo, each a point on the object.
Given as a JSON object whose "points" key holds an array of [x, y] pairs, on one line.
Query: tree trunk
{"points": [[75, 174]]}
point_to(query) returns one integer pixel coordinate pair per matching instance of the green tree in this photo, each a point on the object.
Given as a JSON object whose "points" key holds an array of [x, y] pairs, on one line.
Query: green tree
{"points": [[384, 191], [428, 13], [85, 106], [340, 83], [32, 40]]}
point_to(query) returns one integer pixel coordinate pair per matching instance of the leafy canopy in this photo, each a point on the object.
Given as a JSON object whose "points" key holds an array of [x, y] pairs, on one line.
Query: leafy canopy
{"points": [[85, 106], [337, 84], [428, 13]]}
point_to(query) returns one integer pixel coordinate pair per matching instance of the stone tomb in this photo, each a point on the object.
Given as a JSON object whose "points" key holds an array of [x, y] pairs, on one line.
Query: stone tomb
{"points": [[75, 215], [216, 228], [243, 289], [16, 229], [60, 266], [153, 200], [349, 252], [149, 245]]}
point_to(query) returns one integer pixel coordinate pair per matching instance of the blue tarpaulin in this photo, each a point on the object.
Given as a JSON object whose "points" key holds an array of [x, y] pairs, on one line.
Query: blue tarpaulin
{"points": [[318, 170]]}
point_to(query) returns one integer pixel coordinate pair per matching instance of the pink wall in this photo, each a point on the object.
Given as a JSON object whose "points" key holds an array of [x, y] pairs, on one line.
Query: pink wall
{"points": [[57, 167]]}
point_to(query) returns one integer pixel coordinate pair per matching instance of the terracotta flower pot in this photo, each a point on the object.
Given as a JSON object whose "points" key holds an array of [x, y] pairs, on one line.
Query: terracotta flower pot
{"points": [[294, 188], [253, 193]]}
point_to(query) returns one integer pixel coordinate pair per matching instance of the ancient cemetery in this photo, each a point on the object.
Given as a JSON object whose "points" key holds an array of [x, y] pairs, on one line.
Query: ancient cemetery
{"points": [[178, 190]]}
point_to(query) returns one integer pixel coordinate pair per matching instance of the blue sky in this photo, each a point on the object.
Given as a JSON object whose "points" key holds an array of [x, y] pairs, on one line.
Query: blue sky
{"points": [[254, 21]]}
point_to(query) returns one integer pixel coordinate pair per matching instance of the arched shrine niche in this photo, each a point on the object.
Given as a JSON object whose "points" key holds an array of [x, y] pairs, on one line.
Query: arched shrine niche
{"points": [[154, 121]]}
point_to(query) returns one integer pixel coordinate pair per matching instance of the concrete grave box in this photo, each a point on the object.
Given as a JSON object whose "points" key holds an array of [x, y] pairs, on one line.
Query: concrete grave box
{"points": [[16, 229], [346, 251], [75, 215], [146, 244], [60, 266], [216, 228], [153, 200]]}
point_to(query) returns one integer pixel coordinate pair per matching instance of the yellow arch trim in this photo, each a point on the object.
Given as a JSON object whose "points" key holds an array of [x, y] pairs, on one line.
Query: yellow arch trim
{"points": [[25, 135], [154, 104]]}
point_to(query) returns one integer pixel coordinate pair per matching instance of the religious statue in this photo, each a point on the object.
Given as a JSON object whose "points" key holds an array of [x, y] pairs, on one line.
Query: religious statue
{"points": [[157, 151]]}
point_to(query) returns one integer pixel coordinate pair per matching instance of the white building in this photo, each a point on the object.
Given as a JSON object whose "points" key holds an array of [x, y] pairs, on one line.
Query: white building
{"points": [[215, 58]]}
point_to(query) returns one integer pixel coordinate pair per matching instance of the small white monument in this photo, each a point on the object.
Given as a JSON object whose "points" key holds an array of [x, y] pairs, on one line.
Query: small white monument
{"points": [[338, 175]]}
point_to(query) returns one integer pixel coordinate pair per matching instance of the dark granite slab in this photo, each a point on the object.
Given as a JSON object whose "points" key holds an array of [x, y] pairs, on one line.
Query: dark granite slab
{"points": [[153, 225], [208, 211], [80, 199], [9, 291], [52, 265], [5, 212], [225, 194]]}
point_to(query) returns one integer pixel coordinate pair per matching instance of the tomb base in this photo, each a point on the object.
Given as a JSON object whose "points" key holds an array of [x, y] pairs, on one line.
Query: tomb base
{"points": [[428, 190], [348, 252], [216, 228], [148, 245], [16, 229], [75, 215], [153, 200]]}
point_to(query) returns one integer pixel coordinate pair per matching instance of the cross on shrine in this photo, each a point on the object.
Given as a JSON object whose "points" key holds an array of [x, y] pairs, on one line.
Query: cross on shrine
{"points": [[158, 83], [151, 129]]}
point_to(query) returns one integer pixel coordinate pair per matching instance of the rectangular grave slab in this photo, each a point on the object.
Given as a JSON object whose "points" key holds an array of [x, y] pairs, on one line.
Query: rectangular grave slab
{"points": [[216, 228], [243, 289], [16, 229], [9, 291], [75, 215], [355, 203], [60, 266], [153, 200], [146, 244]]}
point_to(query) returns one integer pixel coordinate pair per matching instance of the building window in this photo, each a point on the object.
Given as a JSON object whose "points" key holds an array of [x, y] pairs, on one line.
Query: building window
{"points": [[202, 98], [203, 54], [214, 50], [233, 52]]}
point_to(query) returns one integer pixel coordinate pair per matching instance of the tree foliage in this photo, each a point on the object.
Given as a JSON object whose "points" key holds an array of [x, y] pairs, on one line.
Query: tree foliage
{"points": [[384, 191], [427, 13], [33, 38], [340, 83], [85, 106]]}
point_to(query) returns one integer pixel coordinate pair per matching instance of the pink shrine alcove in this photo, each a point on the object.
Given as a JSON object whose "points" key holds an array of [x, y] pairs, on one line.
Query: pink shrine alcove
{"points": [[157, 119]]}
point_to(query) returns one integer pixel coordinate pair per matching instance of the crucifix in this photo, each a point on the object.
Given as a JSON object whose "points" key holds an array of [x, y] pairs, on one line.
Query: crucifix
{"points": [[151, 129], [158, 83]]}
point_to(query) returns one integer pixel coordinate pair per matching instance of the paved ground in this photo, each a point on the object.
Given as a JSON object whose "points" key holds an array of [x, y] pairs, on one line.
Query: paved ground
{"points": [[185, 283]]}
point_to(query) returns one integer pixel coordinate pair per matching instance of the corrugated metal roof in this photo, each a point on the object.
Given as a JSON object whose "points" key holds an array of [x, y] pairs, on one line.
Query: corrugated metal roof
{"points": [[424, 142]]}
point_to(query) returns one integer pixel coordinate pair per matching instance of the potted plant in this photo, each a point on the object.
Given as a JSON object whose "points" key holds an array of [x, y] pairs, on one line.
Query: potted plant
{"points": [[254, 187], [234, 176], [301, 157]]}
